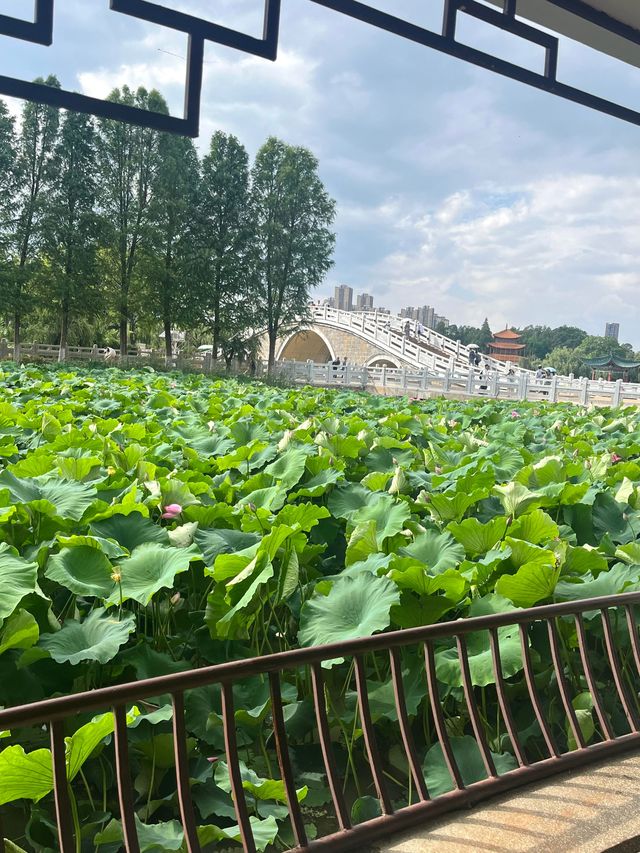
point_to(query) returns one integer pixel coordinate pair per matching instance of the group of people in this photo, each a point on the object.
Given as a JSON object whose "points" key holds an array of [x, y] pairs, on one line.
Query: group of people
{"points": [[338, 365], [545, 373]]}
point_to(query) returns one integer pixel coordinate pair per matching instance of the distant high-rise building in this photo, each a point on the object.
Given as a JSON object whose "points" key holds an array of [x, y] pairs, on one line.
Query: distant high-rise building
{"points": [[425, 315], [612, 330], [364, 302], [344, 297]]}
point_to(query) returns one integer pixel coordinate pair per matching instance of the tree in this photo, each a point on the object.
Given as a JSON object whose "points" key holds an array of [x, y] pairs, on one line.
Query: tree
{"points": [[292, 239], [35, 147], [567, 336], [566, 360], [485, 336], [70, 227], [128, 161], [7, 171], [224, 236], [171, 215]]}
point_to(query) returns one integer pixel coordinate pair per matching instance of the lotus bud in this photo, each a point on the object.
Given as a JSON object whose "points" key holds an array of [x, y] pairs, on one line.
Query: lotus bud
{"points": [[175, 599], [171, 511], [252, 507], [116, 577]]}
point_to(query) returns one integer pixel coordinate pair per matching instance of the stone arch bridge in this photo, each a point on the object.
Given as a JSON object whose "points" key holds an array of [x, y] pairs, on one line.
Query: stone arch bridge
{"points": [[372, 339]]}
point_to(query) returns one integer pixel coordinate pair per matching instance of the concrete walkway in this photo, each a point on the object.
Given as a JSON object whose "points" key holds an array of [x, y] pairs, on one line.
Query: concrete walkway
{"points": [[586, 811]]}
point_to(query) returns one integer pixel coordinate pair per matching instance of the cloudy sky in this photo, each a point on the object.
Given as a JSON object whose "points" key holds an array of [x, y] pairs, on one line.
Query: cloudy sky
{"points": [[455, 187]]}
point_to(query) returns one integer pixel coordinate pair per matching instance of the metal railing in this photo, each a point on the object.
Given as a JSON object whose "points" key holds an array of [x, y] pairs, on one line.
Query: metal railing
{"points": [[612, 631]]}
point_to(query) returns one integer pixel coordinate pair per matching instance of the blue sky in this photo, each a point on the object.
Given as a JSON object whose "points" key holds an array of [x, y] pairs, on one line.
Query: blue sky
{"points": [[455, 187]]}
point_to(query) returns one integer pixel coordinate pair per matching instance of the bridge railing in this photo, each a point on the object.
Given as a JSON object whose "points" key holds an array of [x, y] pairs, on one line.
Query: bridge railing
{"points": [[587, 648], [468, 382], [388, 330]]}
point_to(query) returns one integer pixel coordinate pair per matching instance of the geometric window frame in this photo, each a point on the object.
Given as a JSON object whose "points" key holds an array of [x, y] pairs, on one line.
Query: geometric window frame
{"points": [[40, 31], [199, 31]]}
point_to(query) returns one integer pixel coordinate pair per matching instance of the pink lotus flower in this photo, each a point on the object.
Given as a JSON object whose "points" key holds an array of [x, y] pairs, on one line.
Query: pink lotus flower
{"points": [[615, 458], [515, 414], [171, 511]]}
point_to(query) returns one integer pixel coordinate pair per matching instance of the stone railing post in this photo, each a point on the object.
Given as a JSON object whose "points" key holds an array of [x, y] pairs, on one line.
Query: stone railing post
{"points": [[617, 393], [584, 392]]}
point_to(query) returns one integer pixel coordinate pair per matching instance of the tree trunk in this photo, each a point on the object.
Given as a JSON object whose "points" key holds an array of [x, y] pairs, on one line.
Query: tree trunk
{"points": [[16, 336], [168, 343], [272, 351], [124, 332], [64, 331]]}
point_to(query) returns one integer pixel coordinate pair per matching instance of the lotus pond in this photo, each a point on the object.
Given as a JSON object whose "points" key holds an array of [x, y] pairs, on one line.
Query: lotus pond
{"points": [[152, 523]]}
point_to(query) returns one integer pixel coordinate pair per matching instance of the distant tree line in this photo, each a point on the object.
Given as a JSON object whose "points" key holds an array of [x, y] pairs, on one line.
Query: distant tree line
{"points": [[108, 231], [565, 347]]}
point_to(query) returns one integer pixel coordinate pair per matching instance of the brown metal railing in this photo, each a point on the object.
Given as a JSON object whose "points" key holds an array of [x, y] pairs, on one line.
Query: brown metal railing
{"points": [[624, 694]]}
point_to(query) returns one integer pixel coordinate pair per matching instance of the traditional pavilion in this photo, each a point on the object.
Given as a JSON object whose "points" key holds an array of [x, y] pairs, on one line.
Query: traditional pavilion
{"points": [[506, 346], [612, 365]]}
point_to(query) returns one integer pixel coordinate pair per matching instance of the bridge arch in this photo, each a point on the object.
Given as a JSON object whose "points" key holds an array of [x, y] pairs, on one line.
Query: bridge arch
{"points": [[307, 344], [383, 361]]}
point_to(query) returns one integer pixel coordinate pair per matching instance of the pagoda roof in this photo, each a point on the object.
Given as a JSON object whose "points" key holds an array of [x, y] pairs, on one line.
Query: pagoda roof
{"points": [[610, 361], [507, 333], [507, 345]]}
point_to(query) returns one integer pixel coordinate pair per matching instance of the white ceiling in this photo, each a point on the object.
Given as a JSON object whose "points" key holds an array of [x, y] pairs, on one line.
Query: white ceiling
{"points": [[551, 16]]}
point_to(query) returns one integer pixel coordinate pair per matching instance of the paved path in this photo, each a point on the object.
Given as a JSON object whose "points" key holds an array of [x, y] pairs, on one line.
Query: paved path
{"points": [[586, 811]]}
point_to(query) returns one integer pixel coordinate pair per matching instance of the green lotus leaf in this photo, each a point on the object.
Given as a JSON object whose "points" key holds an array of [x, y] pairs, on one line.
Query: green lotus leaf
{"points": [[153, 838], [438, 551], [469, 760], [579, 560], [108, 546], [516, 498], [20, 631], [390, 516], [264, 833], [18, 578], [583, 706], [85, 740], [63, 498], [321, 480], [261, 789], [151, 567], [620, 578], [533, 582], [272, 498], [478, 538], [25, 775], [83, 570], [288, 468], [130, 531], [479, 651], [362, 543], [355, 607], [98, 637], [302, 516], [407, 573], [347, 499], [212, 542], [535, 527]]}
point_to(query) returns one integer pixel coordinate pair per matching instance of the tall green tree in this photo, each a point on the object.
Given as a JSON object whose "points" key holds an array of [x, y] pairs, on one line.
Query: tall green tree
{"points": [[7, 171], [35, 147], [224, 236], [70, 228], [293, 242], [128, 166], [167, 268], [485, 335], [7, 192]]}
